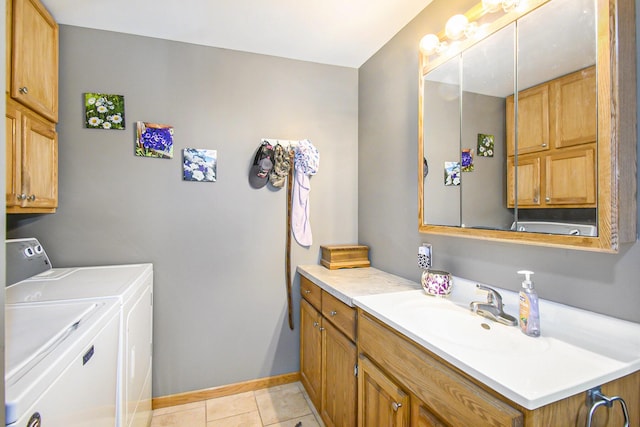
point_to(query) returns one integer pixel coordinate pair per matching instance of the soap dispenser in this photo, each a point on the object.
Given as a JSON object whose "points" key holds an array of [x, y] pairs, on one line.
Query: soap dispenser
{"points": [[529, 311]]}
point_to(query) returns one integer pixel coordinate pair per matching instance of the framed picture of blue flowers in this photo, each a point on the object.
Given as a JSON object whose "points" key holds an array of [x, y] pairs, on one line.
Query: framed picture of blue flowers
{"points": [[200, 165], [451, 173], [154, 140], [103, 111], [467, 160]]}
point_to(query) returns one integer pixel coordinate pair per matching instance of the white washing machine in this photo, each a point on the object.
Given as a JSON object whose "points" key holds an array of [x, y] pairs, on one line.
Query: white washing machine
{"points": [[130, 285]]}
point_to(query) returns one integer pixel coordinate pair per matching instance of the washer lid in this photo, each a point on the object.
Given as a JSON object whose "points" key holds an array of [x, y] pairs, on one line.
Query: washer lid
{"points": [[78, 283], [32, 331]]}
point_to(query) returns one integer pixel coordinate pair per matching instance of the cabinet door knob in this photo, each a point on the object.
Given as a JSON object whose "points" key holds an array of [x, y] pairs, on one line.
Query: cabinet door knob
{"points": [[23, 90], [322, 329], [315, 324], [31, 198], [333, 313], [21, 196], [396, 406], [547, 199], [544, 144], [307, 291]]}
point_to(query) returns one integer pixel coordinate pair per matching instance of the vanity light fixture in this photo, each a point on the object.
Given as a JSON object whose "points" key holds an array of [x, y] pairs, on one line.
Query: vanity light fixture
{"points": [[458, 26]]}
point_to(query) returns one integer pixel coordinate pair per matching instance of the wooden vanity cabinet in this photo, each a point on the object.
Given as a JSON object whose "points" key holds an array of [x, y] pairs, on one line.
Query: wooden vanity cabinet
{"points": [[557, 132], [328, 354], [393, 367], [31, 108]]}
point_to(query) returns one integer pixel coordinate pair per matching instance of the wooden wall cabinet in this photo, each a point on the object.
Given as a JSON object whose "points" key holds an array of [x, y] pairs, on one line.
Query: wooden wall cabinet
{"points": [[397, 373], [328, 355], [32, 161], [557, 132], [31, 108]]}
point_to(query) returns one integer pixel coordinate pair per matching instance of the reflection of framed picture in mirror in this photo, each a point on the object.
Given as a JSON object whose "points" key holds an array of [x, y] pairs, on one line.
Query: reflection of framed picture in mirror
{"points": [[485, 145], [451, 173]]}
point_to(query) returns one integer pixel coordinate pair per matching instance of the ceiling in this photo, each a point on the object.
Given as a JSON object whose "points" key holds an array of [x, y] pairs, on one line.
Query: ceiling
{"points": [[336, 32]]}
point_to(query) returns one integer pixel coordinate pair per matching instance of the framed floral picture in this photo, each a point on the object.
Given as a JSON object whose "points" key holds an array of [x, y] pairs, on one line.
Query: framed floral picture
{"points": [[154, 140], [103, 111], [451, 173], [467, 160], [485, 145], [200, 165]]}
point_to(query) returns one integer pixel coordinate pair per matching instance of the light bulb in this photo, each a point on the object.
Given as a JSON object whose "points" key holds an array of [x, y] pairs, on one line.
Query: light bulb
{"points": [[455, 26], [491, 5], [507, 5], [429, 44]]}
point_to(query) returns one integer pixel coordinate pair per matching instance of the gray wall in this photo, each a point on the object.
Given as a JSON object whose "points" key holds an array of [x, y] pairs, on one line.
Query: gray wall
{"points": [[388, 126], [218, 248]]}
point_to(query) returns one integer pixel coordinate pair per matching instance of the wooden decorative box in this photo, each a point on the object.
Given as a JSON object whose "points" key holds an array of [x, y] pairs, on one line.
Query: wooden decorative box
{"points": [[345, 256]]}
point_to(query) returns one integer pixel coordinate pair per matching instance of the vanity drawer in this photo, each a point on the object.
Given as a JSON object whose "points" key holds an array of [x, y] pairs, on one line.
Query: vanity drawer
{"points": [[450, 395], [340, 314], [311, 292]]}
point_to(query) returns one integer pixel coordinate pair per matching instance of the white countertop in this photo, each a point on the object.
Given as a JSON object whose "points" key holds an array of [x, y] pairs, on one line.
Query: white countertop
{"points": [[577, 349], [348, 283]]}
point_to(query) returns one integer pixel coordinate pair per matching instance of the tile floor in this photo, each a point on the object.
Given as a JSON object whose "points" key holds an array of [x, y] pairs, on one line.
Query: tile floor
{"points": [[280, 406]]}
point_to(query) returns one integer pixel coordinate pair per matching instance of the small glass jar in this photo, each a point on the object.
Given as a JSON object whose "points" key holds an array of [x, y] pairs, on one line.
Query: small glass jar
{"points": [[436, 283]]}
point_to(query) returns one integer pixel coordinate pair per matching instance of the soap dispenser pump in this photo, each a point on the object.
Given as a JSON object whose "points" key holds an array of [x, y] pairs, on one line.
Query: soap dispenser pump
{"points": [[529, 310]]}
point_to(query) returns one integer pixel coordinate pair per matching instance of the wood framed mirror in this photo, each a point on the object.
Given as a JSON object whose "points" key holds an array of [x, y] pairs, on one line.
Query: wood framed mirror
{"points": [[527, 126]]}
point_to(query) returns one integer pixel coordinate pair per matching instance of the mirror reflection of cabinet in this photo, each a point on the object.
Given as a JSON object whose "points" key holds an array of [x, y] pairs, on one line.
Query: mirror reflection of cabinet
{"points": [[566, 144], [556, 160]]}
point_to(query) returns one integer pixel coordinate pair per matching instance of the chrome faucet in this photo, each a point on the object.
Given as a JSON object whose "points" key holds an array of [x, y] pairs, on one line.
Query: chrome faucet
{"points": [[492, 308]]}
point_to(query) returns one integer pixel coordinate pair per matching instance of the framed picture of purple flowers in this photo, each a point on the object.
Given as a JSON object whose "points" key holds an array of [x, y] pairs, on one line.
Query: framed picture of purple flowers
{"points": [[200, 165], [103, 111], [467, 160], [154, 140]]}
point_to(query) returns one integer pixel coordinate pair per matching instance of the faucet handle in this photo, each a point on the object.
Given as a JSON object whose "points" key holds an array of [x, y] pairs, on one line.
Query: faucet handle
{"points": [[493, 297]]}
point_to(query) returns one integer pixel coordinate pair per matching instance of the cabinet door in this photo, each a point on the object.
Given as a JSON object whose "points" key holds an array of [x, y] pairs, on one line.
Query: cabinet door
{"points": [[533, 121], [34, 72], [574, 109], [39, 162], [571, 178], [421, 415], [381, 403], [310, 351], [529, 181], [13, 128], [339, 383]]}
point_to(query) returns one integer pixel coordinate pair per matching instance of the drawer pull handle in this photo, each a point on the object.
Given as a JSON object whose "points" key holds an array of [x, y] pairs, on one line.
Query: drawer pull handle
{"points": [[321, 329], [333, 313], [396, 406]]}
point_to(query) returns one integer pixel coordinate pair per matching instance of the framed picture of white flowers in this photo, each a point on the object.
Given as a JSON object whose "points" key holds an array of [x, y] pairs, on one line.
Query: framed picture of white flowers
{"points": [[200, 165], [103, 111], [485, 145]]}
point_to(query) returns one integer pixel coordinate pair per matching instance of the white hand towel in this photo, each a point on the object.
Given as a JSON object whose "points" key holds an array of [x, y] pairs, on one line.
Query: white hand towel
{"points": [[300, 224]]}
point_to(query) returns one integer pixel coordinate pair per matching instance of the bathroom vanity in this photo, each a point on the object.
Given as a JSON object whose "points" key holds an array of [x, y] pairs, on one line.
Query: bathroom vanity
{"points": [[426, 361]]}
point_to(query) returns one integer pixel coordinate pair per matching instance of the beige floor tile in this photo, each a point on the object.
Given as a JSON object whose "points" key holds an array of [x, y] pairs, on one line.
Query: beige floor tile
{"points": [[307, 421], [228, 406], [281, 403], [248, 419], [191, 418], [179, 408]]}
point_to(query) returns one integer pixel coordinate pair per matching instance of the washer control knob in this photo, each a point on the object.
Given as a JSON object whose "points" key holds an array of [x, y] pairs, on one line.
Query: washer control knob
{"points": [[29, 252], [38, 249], [34, 421]]}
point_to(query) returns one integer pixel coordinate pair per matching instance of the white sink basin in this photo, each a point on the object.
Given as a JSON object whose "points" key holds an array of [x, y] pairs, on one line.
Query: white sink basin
{"points": [[576, 351]]}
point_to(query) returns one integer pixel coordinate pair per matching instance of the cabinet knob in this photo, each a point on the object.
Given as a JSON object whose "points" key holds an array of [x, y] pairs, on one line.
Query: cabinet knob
{"points": [[307, 291], [396, 406], [322, 329], [547, 199], [31, 198], [333, 313], [21, 196], [23, 90], [315, 324], [544, 144]]}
